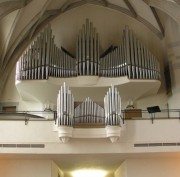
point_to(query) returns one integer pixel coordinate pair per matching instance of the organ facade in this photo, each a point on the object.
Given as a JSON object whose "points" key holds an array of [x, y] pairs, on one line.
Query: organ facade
{"points": [[43, 58]]}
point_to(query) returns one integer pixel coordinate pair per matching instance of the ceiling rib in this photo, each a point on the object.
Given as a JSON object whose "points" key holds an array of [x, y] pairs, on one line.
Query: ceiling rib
{"points": [[47, 17], [131, 8], [10, 6], [66, 5], [177, 1], [157, 19]]}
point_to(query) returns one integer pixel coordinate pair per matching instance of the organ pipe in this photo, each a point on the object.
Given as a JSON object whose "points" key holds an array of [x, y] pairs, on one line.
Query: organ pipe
{"points": [[65, 107], [88, 50], [89, 112], [43, 58], [112, 107]]}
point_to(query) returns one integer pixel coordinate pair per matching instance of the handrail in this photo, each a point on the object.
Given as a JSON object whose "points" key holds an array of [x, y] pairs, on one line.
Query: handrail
{"points": [[127, 114]]}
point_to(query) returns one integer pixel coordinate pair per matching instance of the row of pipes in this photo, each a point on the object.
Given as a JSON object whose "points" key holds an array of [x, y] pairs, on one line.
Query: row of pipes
{"points": [[130, 59], [112, 107], [65, 107], [88, 50], [88, 111], [43, 59]]}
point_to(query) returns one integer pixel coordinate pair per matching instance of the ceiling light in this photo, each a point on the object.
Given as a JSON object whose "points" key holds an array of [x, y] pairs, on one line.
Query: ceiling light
{"points": [[89, 173]]}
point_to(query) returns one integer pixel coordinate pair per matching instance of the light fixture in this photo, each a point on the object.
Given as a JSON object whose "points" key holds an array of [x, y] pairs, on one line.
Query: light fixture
{"points": [[89, 173]]}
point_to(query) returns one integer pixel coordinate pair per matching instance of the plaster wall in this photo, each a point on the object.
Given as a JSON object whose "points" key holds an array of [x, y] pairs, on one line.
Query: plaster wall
{"points": [[153, 167], [25, 168], [132, 132]]}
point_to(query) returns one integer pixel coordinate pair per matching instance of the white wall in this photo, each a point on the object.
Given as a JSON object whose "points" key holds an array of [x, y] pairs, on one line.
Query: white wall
{"points": [[25, 168], [121, 171], [134, 131], [108, 23], [153, 168], [55, 171]]}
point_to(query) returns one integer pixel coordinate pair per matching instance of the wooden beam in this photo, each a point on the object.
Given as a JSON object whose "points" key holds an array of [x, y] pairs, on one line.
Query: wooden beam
{"points": [[131, 8], [157, 19]]}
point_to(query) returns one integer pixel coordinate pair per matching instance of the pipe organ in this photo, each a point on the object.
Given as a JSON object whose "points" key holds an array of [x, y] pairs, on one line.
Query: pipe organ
{"points": [[43, 59], [88, 111]]}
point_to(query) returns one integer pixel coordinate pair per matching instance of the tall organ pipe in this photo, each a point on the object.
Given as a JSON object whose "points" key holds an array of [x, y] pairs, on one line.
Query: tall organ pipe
{"points": [[65, 107], [112, 107]]}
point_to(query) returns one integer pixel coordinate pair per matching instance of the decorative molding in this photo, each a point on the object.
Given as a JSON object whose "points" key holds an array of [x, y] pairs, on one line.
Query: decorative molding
{"points": [[67, 133]]}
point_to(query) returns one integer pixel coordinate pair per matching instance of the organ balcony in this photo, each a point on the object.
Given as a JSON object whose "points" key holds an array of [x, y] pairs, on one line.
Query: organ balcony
{"points": [[43, 67]]}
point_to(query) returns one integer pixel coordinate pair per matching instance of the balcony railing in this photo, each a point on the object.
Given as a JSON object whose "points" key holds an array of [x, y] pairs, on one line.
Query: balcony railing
{"points": [[99, 122]]}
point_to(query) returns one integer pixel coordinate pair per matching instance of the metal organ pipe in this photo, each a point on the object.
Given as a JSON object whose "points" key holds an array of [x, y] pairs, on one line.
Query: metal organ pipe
{"points": [[112, 107], [65, 107], [88, 50], [89, 112], [42, 58]]}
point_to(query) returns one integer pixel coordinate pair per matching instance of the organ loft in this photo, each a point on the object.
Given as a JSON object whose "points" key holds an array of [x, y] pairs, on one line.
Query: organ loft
{"points": [[44, 60]]}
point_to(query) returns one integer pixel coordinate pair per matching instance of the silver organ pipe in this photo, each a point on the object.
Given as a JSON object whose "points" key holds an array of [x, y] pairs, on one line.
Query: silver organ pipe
{"points": [[112, 107], [89, 112], [65, 107], [43, 58], [130, 59], [88, 50]]}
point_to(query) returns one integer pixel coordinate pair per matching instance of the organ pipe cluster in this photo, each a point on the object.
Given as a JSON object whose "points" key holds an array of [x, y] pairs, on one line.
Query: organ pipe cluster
{"points": [[112, 107], [130, 59], [43, 59], [89, 112], [88, 50], [65, 107]]}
